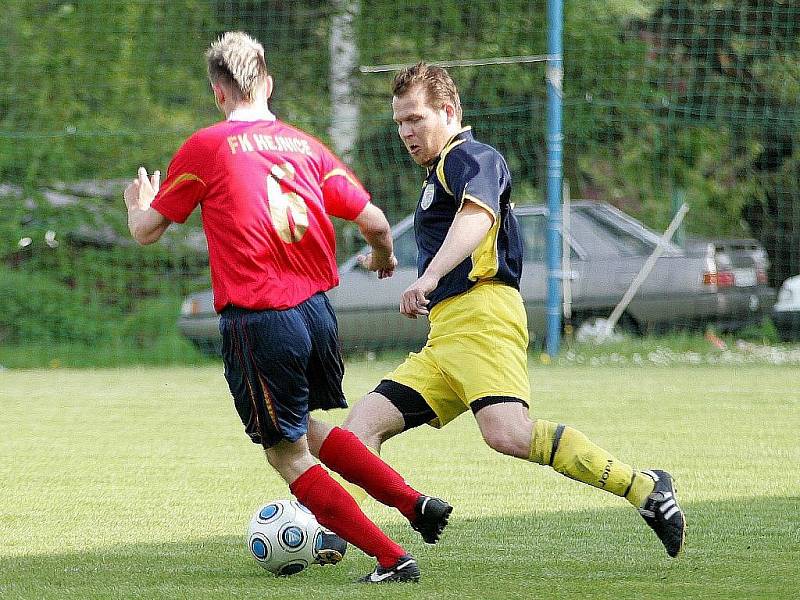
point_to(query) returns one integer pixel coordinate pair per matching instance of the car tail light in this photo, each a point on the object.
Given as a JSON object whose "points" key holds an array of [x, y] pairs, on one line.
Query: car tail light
{"points": [[761, 276], [710, 273], [723, 279]]}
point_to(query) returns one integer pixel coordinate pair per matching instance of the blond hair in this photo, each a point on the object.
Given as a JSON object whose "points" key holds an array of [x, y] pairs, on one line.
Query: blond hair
{"points": [[237, 60], [436, 81]]}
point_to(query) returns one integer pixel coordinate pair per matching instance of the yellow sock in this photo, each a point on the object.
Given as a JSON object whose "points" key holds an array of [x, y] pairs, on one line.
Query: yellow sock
{"points": [[641, 488], [572, 454]]}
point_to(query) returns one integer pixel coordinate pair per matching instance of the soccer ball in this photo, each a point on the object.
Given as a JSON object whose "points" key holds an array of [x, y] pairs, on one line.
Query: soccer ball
{"points": [[284, 537]]}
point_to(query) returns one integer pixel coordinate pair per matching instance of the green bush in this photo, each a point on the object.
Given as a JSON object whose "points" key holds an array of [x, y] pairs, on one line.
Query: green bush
{"points": [[85, 298], [37, 308]]}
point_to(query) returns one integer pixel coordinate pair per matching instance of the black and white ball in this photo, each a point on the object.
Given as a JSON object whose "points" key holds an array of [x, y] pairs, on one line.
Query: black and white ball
{"points": [[284, 537]]}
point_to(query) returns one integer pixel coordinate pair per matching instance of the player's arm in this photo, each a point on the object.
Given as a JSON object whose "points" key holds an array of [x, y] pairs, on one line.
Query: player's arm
{"points": [[376, 230], [145, 224], [469, 228]]}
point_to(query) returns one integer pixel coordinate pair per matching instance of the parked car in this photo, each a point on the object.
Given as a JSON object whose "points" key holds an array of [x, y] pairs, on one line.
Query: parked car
{"points": [[741, 266], [709, 283], [786, 312]]}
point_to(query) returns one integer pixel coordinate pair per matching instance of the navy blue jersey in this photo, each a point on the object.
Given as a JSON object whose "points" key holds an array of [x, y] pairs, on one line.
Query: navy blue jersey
{"points": [[468, 170]]}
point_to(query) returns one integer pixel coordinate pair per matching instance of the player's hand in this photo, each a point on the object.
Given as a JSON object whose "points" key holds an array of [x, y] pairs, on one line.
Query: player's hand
{"points": [[141, 191], [414, 301], [372, 262]]}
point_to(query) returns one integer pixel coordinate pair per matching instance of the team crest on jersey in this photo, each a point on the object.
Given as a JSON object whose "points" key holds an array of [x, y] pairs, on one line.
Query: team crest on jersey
{"points": [[427, 196]]}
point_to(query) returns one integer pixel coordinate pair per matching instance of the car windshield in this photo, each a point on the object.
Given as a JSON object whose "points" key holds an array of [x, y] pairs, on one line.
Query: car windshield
{"points": [[596, 235], [534, 237], [602, 238]]}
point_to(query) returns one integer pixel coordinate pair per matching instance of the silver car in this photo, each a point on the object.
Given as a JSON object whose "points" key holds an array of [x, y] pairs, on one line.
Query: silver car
{"points": [[607, 248]]}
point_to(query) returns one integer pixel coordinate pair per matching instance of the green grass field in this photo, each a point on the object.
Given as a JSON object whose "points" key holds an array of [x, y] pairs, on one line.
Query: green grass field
{"points": [[139, 483]]}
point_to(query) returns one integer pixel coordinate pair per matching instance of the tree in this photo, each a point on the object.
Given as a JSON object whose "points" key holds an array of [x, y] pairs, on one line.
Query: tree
{"points": [[83, 88]]}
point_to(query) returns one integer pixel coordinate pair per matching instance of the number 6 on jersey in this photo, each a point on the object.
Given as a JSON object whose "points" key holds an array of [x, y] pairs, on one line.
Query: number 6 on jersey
{"points": [[287, 210]]}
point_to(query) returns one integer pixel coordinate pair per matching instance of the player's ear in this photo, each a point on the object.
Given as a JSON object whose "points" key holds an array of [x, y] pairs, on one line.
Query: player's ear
{"points": [[450, 110], [270, 85], [219, 94]]}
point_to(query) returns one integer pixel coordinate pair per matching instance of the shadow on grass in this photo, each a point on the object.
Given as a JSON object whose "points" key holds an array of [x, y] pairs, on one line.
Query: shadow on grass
{"points": [[744, 548]]}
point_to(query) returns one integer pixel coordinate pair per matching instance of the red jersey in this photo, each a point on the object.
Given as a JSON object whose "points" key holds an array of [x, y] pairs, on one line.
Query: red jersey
{"points": [[265, 190]]}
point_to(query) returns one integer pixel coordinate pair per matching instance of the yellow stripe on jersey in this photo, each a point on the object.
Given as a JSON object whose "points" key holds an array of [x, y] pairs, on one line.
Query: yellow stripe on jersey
{"points": [[440, 164], [184, 177], [479, 202], [485, 261], [341, 173]]}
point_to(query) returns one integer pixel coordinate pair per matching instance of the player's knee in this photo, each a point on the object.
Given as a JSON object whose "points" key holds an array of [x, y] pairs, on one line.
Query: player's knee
{"points": [[506, 428], [317, 433], [367, 424], [369, 421], [359, 421], [507, 442], [290, 459]]}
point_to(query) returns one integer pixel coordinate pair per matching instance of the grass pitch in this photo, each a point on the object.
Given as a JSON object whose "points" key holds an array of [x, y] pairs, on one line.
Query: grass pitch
{"points": [[139, 483]]}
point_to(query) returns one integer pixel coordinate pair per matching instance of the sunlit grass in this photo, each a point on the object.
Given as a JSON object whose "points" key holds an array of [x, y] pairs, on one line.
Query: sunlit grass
{"points": [[139, 482]]}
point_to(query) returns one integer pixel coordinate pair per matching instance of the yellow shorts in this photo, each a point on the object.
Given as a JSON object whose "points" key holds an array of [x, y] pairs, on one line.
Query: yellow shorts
{"points": [[477, 347]]}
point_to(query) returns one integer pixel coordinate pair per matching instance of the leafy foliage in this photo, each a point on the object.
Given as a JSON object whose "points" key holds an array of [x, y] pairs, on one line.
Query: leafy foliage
{"points": [[90, 81], [661, 99], [64, 284]]}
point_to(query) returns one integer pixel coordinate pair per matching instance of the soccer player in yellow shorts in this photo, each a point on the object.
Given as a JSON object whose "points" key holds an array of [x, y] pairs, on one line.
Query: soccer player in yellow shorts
{"points": [[469, 265]]}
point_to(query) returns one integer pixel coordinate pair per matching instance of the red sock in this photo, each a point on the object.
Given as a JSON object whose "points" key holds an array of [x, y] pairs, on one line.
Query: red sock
{"points": [[344, 453], [336, 510]]}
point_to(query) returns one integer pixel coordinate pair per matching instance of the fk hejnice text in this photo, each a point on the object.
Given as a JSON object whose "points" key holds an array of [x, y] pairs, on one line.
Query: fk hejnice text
{"points": [[250, 142]]}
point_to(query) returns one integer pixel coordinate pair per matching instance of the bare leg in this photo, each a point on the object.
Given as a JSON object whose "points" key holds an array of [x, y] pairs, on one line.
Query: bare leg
{"points": [[290, 459], [374, 420], [506, 428], [317, 432]]}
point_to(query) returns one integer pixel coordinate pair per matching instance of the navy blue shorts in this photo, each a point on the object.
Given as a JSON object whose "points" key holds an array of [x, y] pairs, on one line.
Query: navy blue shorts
{"points": [[281, 364]]}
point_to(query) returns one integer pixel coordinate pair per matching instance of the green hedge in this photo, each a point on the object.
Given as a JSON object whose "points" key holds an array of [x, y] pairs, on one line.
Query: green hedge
{"points": [[85, 292]]}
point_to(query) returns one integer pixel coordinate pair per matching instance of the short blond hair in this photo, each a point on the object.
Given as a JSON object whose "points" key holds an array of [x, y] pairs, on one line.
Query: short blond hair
{"points": [[237, 60], [438, 85]]}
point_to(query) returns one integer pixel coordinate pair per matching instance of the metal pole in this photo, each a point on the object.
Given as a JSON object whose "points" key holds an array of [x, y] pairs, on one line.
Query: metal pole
{"points": [[645, 270], [566, 263], [678, 200], [555, 144]]}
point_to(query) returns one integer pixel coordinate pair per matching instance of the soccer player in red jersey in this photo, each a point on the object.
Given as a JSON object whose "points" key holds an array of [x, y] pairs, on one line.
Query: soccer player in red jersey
{"points": [[265, 190]]}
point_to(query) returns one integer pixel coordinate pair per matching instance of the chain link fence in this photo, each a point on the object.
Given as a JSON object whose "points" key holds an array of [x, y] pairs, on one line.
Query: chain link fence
{"points": [[664, 103]]}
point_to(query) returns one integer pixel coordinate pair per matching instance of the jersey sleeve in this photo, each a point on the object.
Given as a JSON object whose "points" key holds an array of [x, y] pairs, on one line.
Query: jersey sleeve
{"points": [[343, 194], [184, 186], [479, 177]]}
